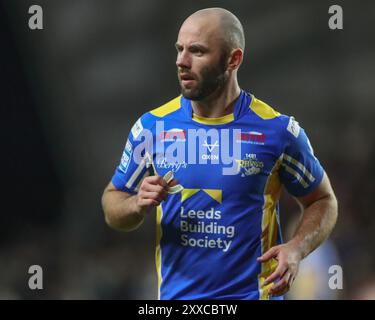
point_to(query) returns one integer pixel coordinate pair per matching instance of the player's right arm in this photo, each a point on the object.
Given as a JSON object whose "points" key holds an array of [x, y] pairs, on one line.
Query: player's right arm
{"points": [[125, 211], [134, 189]]}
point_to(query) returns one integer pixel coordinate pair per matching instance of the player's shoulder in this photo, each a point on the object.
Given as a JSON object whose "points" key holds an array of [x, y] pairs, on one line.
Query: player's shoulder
{"points": [[262, 109], [149, 118], [167, 108], [266, 112]]}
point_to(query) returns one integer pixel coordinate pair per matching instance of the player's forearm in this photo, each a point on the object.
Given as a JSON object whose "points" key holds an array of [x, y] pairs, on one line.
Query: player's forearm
{"points": [[121, 210], [317, 223]]}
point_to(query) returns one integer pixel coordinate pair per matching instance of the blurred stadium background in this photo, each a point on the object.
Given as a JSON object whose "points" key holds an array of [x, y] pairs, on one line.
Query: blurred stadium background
{"points": [[71, 92]]}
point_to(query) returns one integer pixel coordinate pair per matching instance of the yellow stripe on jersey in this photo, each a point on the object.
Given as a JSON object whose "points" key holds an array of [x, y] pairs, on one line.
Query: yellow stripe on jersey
{"points": [[187, 193], [167, 108], [159, 234], [210, 121], [262, 109], [270, 227], [159, 214], [215, 194]]}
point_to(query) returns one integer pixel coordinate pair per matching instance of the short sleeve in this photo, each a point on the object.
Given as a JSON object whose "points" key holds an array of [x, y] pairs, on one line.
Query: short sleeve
{"points": [[135, 160], [300, 171]]}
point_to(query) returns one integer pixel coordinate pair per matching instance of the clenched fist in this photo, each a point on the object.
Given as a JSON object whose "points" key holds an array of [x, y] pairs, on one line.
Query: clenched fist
{"points": [[153, 190]]}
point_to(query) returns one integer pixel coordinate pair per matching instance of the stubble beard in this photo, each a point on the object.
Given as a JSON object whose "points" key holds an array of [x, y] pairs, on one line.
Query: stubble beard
{"points": [[213, 79]]}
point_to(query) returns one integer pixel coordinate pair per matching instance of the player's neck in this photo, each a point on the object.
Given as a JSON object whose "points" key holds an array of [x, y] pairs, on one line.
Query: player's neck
{"points": [[218, 104]]}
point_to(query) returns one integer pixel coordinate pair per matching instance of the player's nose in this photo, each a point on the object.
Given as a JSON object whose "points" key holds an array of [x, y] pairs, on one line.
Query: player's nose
{"points": [[183, 60]]}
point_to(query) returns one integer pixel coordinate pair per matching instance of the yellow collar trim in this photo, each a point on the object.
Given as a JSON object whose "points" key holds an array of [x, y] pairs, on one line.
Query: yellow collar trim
{"points": [[221, 120]]}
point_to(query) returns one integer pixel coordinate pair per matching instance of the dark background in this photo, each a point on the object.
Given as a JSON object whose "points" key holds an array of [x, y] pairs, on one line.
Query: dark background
{"points": [[71, 92]]}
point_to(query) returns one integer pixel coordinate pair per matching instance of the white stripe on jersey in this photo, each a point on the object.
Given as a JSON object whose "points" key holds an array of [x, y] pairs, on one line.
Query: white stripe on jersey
{"points": [[296, 174], [300, 166], [136, 173]]}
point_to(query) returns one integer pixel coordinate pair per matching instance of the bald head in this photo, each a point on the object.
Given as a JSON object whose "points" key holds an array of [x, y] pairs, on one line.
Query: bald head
{"points": [[209, 48], [225, 24]]}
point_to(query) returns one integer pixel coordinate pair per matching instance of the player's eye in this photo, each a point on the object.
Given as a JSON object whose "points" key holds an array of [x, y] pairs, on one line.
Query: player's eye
{"points": [[197, 51]]}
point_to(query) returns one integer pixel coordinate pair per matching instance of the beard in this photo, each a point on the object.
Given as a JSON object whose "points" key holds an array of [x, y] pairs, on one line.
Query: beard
{"points": [[212, 78]]}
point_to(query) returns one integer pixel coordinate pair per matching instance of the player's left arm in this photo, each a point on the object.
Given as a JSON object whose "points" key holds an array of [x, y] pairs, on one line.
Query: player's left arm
{"points": [[318, 219]]}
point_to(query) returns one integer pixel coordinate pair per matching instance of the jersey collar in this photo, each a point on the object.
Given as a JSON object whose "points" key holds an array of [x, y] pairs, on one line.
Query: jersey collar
{"points": [[240, 108]]}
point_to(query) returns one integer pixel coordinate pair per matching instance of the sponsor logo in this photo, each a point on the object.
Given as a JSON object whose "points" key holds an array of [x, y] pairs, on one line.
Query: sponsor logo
{"points": [[128, 147], [163, 163], [173, 135], [252, 137], [211, 147], [126, 155], [210, 157], [293, 127], [250, 165], [137, 128], [205, 228]]}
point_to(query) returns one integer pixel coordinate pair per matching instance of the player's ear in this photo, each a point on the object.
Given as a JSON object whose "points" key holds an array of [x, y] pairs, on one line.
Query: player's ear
{"points": [[235, 59]]}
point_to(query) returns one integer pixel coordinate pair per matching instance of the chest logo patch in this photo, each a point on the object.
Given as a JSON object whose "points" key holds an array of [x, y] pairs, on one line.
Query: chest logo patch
{"points": [[250, 165]]}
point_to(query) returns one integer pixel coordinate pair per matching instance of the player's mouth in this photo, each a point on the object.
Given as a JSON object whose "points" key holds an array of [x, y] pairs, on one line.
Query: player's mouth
{"points": [[186, 79]]}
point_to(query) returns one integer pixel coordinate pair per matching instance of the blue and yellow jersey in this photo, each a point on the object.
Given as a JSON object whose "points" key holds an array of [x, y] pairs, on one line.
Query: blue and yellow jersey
{"points": [[232, 170]]}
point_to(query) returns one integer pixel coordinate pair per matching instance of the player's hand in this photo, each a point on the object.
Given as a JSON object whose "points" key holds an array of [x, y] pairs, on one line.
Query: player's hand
{"points": [[288, 257], [152, 191]]}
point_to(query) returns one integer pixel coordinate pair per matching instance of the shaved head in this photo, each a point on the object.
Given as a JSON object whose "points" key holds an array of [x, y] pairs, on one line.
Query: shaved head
{"points": [[227, 25], [210, 47]]}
